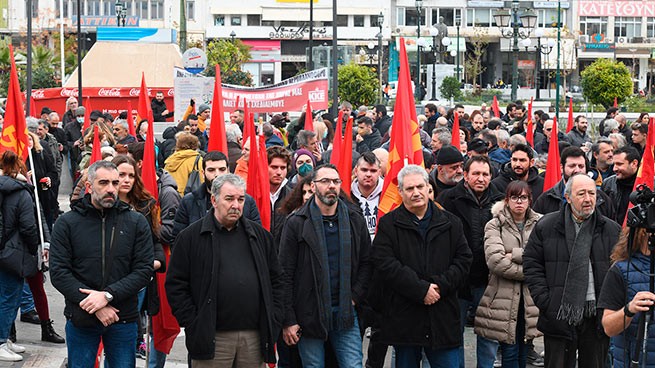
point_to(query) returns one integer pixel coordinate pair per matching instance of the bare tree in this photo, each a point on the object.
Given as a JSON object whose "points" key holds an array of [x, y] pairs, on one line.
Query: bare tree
{"points": [[473, 63]]}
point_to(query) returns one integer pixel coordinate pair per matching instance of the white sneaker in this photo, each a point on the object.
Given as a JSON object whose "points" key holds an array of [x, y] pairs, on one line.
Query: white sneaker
{"points": [[15, 347], [6, 355]]}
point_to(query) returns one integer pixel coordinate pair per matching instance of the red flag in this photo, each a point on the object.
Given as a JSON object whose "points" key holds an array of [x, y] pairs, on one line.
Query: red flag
{"points": [[130, 119], [14, 132], [96, 155], [236, 106], [405, 141], [495, 108], [148, 169], [344, 165], [258, 185], [337, 141], [651, 126], [616, 102], [217, 137], [553, 169], [87, 114], [309, 118], [569, 123], [646, 171], [455, 132], [164, 325], [143, 109], [529, 132], [33, 112]]}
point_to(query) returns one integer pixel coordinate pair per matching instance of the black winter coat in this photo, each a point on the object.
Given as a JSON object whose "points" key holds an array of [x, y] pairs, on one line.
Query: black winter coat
{"points": [[545, 263], [371, 141], [76, 255], [551, 201], [158, 107], [384, 123], [192, 291], [302, 282], [18, 213], [405, 266], [474, 216], [73, 131], [506, 176]]}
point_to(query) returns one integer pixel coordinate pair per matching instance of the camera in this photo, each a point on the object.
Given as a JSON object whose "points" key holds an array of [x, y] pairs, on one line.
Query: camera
{"points": [[642, 215]]}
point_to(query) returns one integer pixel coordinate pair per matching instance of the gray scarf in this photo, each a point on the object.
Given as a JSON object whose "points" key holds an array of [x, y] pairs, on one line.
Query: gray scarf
{"points": [[574, 307]]}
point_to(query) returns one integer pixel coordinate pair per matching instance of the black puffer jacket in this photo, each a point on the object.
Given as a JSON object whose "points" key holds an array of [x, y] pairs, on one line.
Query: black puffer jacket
{"points": [[76, 262], [474, 216], [618, 190], [551, 201], [18, 212], [405, 266], [545, 263], [506, 176]]}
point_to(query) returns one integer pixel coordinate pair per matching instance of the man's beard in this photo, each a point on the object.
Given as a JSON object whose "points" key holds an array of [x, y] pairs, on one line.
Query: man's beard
{"points": [[326, 200]]}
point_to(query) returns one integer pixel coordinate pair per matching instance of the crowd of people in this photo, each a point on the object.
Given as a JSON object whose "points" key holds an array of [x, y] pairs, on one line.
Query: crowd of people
{"points": [[476, 241]]}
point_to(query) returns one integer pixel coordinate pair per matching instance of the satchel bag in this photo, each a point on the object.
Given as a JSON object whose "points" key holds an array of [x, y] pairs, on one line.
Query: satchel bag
{"points": [[194, 178]]}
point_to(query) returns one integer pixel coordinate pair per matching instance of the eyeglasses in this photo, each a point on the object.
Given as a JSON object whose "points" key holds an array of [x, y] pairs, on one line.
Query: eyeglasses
{"points": [[327, 181], [548, 129], [517, 199]]}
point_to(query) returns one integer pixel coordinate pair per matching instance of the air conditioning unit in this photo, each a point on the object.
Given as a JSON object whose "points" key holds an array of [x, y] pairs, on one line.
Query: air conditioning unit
{"points": [[621, 40], [637, 40], [583, 39]]}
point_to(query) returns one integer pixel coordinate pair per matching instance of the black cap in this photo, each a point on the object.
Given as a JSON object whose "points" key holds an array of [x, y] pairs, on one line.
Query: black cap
{"points": [[478, 145], [449, 155]]}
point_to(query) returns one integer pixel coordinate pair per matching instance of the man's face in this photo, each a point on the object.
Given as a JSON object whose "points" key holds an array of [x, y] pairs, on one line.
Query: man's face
{"points": [[104, 188], [376, 116], [451, 174], [638, 137], [572, 166], [623, 168], [159, 96], [346, 111], [228, 207], [363, 129], [605, 154], [414, 193], [521, 163], [478, 123], [512, 112], [478, 177], [548, 127], [435, 143], [312, 143], [460, 111], [193, 126], [582, 125], [72, 104], [54, 120], [119, 131], [214, 169], [326, 186], [428, 113], [620, 119], [41, 131], [518, 113], [486, 116], [536, 118], [367, 174], [205, 114], [277, 171], [583, 196]]}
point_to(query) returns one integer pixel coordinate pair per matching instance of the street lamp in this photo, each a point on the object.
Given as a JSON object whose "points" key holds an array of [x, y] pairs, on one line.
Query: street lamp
{"points": [[379, 36], [419, 9], [458, 22], [121, 12], [439, 39], [233, 35], [541, 49], [515, 26]]}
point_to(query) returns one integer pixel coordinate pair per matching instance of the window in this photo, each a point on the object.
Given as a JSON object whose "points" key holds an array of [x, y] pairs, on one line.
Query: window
{"points": [[108, 8], [268, 23], [58, 11], [219, 20], [327, 24], [191, 10], [650, 27], [373, 21], [291, 23], [592, 26], [254, 19], [547, 18], [342, 21], [93, 7], [156, 9], [142, 9], [479, 18], [235, 20], [400, 17], [358, 20], [411, 16], [35, 8], [627, 27]]}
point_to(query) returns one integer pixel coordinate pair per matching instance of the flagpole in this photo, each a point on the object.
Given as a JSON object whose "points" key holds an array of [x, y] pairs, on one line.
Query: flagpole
{"points": [[36, 197]]}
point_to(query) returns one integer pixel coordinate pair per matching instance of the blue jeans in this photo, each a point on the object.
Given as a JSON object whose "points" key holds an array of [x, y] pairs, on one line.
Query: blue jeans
{"points": [[485, 349], [118, 340], [410, 357], [156, 359], [26, 299], [347, 345], [11, 287], [515, 355]]}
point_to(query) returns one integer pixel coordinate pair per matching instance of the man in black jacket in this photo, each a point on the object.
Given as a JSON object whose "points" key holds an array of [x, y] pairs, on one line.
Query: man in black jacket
{"points": [[416, 281], [382, 120], [324, 255], [565, 262], [224, 284], [368, 137], [520, 167], [195, 205], [619, 186], [159, 110], [101, 256], [471, 200]]}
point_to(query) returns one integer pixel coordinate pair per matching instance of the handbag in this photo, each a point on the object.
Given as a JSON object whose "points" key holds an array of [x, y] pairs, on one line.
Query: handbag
{"points": [[194, 178], [16, 259]]}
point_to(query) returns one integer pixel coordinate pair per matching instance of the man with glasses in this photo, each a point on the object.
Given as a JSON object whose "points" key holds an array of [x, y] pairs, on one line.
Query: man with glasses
{"points": [[324, 254], [542, 146]]}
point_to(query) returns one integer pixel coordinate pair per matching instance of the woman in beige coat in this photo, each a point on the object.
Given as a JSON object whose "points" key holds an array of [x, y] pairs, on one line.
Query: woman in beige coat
{"points": [[506, 312]]}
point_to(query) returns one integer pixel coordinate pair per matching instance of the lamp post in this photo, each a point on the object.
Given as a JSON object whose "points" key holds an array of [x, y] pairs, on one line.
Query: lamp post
{"points": [[379, 35], [439, 39], [514, 26], [79, 53], [541, 49], [458, 22], [417, 89], [232, 36], [121, 12]]}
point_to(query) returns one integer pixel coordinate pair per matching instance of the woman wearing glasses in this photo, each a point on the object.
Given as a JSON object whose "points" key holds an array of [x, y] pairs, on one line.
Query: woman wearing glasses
{"points": [[506, 312]]}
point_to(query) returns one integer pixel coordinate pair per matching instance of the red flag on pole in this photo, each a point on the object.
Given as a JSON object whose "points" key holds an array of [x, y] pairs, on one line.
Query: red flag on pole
{"points": [[14, 132], [309, 118], [569, 123], [344, 165], [148, 169], [651, 126], [143, 109], [553, 169], [405, 142], [337, 141], [495, 108], [646, 171], [87, 114], [455, 142], [236, 106], [258, 185], [164, 325], [130, 119], [529, 130], [616, 102], [96, 155], [217, 137], [33, 112]]}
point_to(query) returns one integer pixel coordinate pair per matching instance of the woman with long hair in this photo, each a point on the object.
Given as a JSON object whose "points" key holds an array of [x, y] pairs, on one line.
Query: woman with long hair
{"points": [[506, 312], [132, 191], [625, 296], [20, 226], [45, 171]]}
